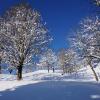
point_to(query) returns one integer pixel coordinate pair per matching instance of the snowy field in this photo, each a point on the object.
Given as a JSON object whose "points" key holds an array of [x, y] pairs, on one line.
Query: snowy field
{"points": [[41, 85], [84, 74]]}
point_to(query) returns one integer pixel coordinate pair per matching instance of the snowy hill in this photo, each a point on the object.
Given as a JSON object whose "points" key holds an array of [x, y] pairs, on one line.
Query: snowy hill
{"points": [[84, 74]]}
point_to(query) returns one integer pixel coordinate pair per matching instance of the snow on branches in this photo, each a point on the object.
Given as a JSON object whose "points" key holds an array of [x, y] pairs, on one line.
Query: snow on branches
{"points": [[27, 33], [86, 41], [97, 2], [48, 60]]}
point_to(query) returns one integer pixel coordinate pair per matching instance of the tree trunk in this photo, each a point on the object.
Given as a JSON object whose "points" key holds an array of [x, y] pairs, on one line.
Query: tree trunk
{"points": [[19, 73], [53, 70], [0, 67], [95, 75], [63, 70], [48, 69]]}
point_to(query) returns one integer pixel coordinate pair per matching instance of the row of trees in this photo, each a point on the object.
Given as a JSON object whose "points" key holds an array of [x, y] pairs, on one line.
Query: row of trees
{"points": [[84, 47], [22, 36], [65, 60], [86, 43], [48, 60], [68, 60]]}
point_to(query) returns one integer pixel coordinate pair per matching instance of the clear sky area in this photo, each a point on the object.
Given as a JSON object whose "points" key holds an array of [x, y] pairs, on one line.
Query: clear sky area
{"points": [[61, 16]]}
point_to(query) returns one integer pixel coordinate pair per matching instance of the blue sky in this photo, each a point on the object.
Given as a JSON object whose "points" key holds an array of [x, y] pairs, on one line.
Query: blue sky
{"points": [[61, 16]]}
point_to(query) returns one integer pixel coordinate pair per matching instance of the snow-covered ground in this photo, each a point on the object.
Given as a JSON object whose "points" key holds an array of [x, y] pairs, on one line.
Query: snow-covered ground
{"points": [[51, 90], [41, 85], [84, 74]]}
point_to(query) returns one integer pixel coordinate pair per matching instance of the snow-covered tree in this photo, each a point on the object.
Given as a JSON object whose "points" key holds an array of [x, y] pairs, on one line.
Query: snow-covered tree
{"points": [[72, 64], [49, 60], [87, 41], [67, 59], [2, 42], [27, 33], [97, 2], [62, 59], [1, 55]]}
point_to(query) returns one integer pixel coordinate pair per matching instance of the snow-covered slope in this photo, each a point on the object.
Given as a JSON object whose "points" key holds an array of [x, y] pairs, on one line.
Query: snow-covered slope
{"points": [[84, 74]]}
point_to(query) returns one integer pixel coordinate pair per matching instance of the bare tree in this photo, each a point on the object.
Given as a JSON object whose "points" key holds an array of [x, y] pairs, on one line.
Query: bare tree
{"points": [[27, 33]]}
